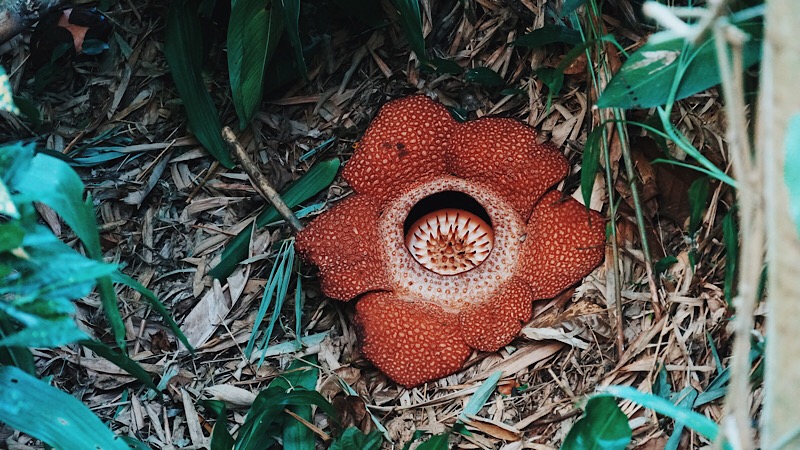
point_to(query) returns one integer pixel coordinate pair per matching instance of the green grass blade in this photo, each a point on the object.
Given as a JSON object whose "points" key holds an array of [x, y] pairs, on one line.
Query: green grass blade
{"points": [[480, 396], [290, 9], [319, 177], [730, 236], [698, 199], [27, 404], [120, 360], [603, 427], [253, 35], [183, 47], [791, 167], [411, 21], [590, 163], [693, 420], [154, 302]]}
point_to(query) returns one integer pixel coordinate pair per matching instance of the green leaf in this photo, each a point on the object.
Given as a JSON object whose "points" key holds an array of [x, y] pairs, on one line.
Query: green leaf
{"points": [[590, 163], [353, 439], [20, 357], [303, 374], [277, 288], [11, 233], [27, 404], [411, 21], [183, 48], [45, 334], [120, 360], [549, 34], [253, 35], [602, 426], [664, 263], [646, 79], [730, 237], [480, 396], [484, 76], [290, 9], [221, 439], [154, 302], [319, 177], [791, 167], [570, 6], [693, 420], [698, 199], [53, 182]]}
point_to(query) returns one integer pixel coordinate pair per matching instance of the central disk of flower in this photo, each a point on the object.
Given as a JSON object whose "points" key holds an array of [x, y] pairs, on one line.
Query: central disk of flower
{"points": [[450, 241]]}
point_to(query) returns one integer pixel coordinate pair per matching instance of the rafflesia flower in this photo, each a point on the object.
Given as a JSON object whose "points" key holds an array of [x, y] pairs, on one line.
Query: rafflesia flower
{"points": [[452, 232]]}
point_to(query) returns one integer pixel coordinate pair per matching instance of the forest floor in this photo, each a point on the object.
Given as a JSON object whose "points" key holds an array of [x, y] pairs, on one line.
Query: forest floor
{"points": [[166, 210]]}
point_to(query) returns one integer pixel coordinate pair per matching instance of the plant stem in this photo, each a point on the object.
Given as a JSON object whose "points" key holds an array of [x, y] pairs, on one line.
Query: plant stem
{"points": [[260, 182]]}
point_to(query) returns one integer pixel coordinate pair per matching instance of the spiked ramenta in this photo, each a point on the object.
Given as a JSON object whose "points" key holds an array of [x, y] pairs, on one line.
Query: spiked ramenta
{"points": [[450, 237]]}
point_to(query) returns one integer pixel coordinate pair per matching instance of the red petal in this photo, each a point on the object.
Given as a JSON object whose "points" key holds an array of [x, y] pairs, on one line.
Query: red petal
{"points": [[345, 245], [496, 322], [404, 143], [503, 154], [410, 342], [564, 243]]}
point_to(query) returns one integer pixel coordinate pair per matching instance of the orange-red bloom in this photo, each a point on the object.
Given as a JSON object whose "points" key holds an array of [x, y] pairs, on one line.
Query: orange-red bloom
{"points": [[451, 235]]}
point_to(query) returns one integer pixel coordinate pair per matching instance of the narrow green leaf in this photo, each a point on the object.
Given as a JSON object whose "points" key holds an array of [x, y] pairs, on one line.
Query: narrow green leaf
{"points": [[480, 396], [155, 303], [253, 35], [791, 167], [183, 48], [436, 442], [27, 404], [730, 236], [570, 6], [411, 21], [120, 360], [603, 426], [549, 34], [221, 439], [646, 78], [319, 177], [664, 263], [20, 357], [590, 163], [484, 76], [353, 439], [290, 9], [693, 420], [698, 199]]}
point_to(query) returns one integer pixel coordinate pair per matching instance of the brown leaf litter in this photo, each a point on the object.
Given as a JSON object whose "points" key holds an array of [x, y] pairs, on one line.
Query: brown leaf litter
{"points": [[166, 210]]}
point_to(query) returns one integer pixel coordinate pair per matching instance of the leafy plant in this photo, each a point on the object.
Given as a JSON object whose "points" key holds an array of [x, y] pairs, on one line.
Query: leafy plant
{"points": [[603, 426], [40, 277]]}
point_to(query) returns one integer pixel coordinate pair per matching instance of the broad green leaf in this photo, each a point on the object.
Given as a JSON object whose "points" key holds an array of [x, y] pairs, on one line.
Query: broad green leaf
{"points": [[303, 374], [290, 9], [549, 34], [698, 199], [319, 177], [253, 34], [353, 439], [791, 167], [221, 439], [51, 181], [183, 48], [27, 404], [411, 21], [693, 420], [484, 76], [646, 78], [154, 302], [45, 334], [664, 263], [603, 426], [120, 360], [480, 396], [11, 233]]}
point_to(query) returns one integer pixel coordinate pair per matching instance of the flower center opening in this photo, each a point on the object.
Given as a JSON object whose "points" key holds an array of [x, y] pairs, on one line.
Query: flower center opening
{"points": [[448, 233]]}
